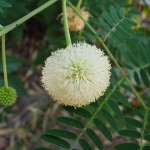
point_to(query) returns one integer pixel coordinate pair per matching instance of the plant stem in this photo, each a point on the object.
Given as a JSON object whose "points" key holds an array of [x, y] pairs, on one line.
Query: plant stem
{"points": [[65, 20], [79, 4], [109, 53], [10, 27], [4, 62], [143, 129]]}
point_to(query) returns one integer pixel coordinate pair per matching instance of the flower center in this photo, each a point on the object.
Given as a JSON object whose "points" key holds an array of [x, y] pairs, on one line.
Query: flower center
{"points": [[79, 71]]}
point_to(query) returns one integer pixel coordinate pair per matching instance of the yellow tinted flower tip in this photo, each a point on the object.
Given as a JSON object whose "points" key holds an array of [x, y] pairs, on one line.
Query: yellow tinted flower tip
{"points": [[76, 75], [8, 96], [74, 21]]}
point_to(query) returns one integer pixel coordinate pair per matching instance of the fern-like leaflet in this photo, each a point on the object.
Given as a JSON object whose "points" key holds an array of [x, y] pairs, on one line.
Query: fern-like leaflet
{"points": [[117, 26], [4, 4], [109, 114], [139, 63]]}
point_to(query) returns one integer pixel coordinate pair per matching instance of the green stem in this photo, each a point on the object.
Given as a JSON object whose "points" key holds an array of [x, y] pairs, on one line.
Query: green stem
{"points": [[109, 53], [66, 27], [26, 17], [79, 4], [143, 129], [4, 62]]}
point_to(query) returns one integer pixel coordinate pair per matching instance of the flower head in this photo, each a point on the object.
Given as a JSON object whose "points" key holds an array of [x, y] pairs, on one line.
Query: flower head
{"points": [[76, 75], [8, 96], [74, 21]]}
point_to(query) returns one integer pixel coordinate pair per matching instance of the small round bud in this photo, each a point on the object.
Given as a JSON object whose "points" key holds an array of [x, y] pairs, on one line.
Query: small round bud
{"points": [[74, 21], [8, 96], [1, 27]]}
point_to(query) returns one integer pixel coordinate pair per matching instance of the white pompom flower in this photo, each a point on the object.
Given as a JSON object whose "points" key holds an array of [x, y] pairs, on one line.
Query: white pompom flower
{"points": [[76, 75]]}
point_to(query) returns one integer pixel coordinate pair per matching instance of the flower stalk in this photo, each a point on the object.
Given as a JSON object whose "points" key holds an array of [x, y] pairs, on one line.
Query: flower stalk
{"points": [[66, 27], [79, 4], [4, 61]]}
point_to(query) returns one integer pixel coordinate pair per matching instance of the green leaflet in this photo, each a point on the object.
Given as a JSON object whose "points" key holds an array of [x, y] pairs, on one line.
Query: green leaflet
{"points": [[129, 133], [115, 108], [104, 24], [101, 126], [127, 146], [133, 122], [130, 22], [79, 111], [127, 66], [62, 133], [126, 87], [122, 12], [147, 137], [144, 77], [110, 119], [126, 27], [55, 140], [4, 4], [114, 75], [143, 53], [84, 145], [122, 98], [108, 18], [136, 78], [114, 14], [71, 122], [138, 113], [133, 59], [92, 135]]}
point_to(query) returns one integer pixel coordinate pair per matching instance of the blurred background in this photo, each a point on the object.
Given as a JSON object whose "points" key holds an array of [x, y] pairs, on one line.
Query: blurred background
{"points": [[27, 48]]}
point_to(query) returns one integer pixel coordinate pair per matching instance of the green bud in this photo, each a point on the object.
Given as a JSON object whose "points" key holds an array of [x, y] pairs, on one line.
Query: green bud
{"points": [[1, 27], [8, 96]]}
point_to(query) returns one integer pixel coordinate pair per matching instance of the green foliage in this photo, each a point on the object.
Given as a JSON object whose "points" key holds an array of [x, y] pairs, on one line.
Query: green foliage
{"points": [[113, 113], [56, 140], [117, 26], [70, 121], [95, 139], [62, 133], [126, 146], [107, 108], [139, 65], [4, 4], [109, 114]]}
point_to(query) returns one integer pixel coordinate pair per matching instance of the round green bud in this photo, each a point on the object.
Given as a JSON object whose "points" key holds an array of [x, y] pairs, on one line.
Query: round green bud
{"points": [[8, 96], [1, 27]]}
